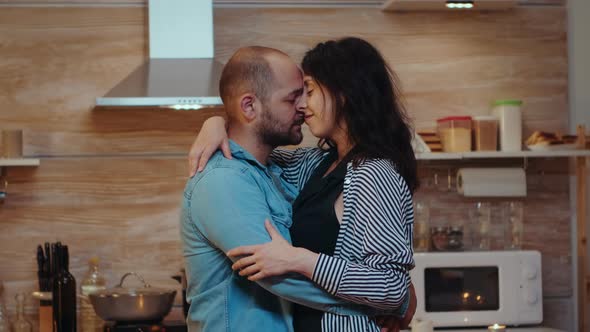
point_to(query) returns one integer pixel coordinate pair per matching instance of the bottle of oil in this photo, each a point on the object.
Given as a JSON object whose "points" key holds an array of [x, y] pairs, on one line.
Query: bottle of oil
{"points": [[92, 282]]}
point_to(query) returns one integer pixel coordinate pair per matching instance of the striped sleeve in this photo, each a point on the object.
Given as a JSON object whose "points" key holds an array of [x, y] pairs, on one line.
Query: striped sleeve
{"points": [[379, 212], [298, 164]]}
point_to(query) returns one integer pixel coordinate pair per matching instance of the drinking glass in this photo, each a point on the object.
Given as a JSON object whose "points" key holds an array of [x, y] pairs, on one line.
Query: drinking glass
{"points": [[483, 224], [513, 215], [421, 226]]}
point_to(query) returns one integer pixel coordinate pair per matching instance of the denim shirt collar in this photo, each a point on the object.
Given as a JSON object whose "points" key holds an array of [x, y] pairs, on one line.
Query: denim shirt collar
{"points": [[239, 152]]}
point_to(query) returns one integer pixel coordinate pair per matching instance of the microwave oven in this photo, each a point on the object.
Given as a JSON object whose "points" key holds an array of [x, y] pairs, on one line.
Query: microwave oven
{"points": [[458, 289]]}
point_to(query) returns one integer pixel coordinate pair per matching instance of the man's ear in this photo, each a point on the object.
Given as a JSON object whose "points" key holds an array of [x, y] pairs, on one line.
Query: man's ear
{"points": [[249, 106]]}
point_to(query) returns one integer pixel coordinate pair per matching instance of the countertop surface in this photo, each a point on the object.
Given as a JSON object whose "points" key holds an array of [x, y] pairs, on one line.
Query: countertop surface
{"points": [[508, 329]]}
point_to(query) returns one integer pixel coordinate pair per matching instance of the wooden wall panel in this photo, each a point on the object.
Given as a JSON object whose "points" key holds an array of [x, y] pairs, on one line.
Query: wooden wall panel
{"points": [[243, 2], [125, 210], [444, 67], [447, 63], [73, 3], [116, 193]]}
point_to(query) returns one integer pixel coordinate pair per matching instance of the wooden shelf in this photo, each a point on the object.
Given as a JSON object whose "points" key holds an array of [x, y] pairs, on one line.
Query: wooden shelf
{"points": [[19, 162], [500, 154]]}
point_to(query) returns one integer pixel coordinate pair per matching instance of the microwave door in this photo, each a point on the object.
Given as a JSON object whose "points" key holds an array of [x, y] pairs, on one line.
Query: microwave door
{"points": [[462, 289]]}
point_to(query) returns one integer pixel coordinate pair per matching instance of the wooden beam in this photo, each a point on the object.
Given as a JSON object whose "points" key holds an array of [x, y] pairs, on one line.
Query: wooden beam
{"points": [[581, 233]]}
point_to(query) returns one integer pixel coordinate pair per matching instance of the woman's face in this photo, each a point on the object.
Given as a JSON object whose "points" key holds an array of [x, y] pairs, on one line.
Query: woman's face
{"points": [[318, 106]]}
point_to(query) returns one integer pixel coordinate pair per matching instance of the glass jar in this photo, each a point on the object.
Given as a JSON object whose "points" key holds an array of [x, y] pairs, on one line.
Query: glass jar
{"points": [[455, 238], [4, 322], [483, 213], [439, 238], [21, 324], [455, 133], [421, 226], [485, 133], [513, 214]]}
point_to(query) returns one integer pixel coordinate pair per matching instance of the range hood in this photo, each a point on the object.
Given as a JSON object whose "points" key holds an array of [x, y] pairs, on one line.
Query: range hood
{"points": [[181, 71], [435, 5]]}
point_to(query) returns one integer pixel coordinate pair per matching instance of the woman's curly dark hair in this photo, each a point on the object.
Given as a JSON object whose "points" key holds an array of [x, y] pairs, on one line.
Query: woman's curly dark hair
{"points": [[367, 98]]}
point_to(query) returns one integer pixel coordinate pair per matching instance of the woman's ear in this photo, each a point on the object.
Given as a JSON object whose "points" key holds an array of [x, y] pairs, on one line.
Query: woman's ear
{"points": [[342, 99], [248, 106]]}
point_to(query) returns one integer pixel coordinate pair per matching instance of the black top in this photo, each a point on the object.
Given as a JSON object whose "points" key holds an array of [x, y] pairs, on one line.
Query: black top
{"points": [[315, 226]]}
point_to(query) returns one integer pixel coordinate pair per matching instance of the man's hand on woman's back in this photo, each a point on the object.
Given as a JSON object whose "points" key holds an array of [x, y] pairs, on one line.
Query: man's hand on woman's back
{"points": [[395, 324]]}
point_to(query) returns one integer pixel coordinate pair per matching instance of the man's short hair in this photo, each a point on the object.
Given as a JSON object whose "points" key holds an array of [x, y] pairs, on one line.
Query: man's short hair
{"points": [[248, 70]]}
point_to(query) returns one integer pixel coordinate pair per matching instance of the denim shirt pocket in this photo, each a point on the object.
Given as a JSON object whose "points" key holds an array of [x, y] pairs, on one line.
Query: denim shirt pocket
{"points": [[280, 209], [278, 204], [282, 215]]}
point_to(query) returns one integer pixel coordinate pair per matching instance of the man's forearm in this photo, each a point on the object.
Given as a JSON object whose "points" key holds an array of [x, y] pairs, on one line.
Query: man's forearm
{"points": [[296, 288]]}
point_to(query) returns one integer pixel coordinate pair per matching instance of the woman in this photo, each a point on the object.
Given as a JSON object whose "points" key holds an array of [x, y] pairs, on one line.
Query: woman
{"points": [[353, 219]]}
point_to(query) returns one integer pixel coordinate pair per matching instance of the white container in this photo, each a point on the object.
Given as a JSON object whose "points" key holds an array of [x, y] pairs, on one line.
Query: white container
{"points": [[510, 124]]}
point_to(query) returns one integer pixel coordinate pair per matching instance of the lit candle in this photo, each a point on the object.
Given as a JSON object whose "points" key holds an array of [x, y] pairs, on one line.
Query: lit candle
{"points": [[496, 328]]}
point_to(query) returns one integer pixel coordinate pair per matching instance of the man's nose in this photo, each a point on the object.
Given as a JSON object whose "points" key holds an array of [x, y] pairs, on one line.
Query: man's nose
{"points": [[301, 104]]}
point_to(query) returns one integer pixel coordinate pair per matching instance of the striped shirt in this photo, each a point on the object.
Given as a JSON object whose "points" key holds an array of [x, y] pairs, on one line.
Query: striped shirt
{"points": [[373, 253]]}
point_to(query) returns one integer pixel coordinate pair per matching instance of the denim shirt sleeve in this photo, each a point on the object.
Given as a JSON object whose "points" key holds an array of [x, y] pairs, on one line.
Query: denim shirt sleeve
{"points": [[231, 208]]}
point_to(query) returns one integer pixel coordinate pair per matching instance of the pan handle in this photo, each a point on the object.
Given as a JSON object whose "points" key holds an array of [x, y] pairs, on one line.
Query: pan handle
{"points": [[137, 275]]}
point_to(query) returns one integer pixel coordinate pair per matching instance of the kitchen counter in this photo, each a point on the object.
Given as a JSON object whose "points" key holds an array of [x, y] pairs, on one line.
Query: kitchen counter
{"points": [[508, 329]]}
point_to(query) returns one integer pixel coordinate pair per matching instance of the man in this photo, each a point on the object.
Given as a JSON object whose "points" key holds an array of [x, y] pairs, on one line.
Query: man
{"points": [[225, 205]]}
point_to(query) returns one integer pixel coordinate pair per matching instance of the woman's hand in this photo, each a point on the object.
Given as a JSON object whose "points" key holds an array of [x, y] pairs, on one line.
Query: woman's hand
{"points": [[272, 258], [213, 136]]}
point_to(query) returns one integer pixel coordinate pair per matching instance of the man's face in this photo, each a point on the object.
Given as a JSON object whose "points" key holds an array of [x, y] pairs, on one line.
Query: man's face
{"points": [[280, 120]]}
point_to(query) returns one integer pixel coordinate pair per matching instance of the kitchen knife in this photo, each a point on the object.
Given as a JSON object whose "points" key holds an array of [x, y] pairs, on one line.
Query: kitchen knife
{"points": [[40, 264], [47, 268]]}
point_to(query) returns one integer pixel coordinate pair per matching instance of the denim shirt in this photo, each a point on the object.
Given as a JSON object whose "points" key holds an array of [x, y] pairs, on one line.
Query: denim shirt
{"points": [[224, 207]]}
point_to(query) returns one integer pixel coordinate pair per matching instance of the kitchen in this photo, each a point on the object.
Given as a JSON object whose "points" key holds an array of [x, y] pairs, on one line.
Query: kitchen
{"points": [[109, 180]]}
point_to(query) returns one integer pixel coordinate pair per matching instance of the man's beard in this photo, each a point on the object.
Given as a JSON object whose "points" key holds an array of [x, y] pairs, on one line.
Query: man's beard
{"points": [[273, 133]]}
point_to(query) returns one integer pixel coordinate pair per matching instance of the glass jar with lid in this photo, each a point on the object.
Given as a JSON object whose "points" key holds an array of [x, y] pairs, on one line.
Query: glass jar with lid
{"points": [[455, 133], [485, 133], [455, 238]]}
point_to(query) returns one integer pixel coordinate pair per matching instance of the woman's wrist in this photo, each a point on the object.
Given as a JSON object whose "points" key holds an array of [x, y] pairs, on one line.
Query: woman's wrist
{"points": [[304, 261]]}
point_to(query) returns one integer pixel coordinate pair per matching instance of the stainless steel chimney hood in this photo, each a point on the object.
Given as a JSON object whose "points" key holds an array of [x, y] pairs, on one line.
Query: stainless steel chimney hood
{"points": [[436, 5], [181, 72]]}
